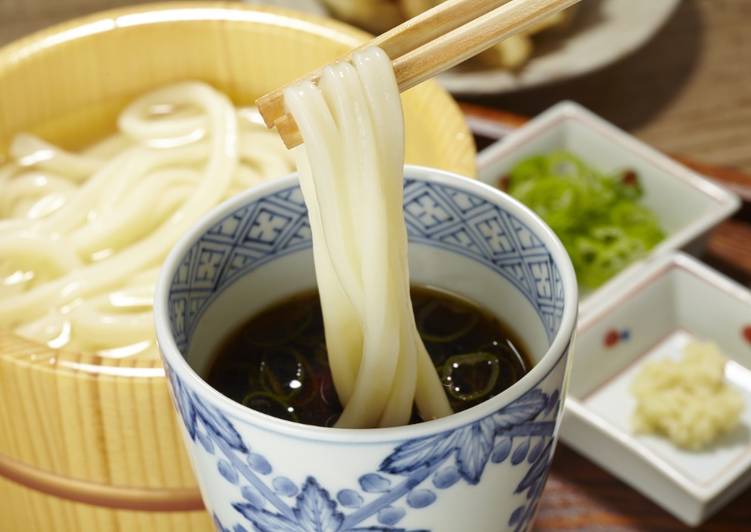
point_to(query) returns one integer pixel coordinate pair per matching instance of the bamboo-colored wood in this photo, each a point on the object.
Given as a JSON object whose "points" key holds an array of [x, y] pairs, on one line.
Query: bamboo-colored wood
{"points": [[27, 510], [100, 494], [110, 422], [435, 41], [396, 42], [470, 39]]}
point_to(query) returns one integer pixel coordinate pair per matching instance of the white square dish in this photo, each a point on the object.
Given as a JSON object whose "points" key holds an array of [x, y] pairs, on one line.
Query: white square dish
{"points": [[672, 300], [686, 204]]}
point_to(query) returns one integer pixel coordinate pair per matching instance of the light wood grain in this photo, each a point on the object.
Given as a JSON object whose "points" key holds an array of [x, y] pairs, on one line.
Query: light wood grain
{"points": [[472, 38]]}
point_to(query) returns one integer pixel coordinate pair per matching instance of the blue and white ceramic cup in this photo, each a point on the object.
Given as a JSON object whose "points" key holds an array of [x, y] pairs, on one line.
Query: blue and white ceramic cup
{"points": [[479, 470]]}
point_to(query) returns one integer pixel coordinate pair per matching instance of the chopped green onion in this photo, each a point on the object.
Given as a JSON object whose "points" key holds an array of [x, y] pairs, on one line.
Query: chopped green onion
{"points": [[596, 216], [470, 376], [268, 403], [451, 318]]}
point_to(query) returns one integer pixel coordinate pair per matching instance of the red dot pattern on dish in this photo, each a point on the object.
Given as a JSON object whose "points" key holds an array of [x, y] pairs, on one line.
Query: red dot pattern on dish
{"points": [[613, 336], [747, 333], [630, 178]]}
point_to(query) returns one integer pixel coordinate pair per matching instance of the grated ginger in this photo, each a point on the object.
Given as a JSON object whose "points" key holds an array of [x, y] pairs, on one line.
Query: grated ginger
{"points": [[686, 400]]}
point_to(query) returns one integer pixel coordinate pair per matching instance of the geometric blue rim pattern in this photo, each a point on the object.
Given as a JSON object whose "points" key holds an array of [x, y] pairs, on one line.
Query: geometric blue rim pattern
{"points": [[438, 215]]}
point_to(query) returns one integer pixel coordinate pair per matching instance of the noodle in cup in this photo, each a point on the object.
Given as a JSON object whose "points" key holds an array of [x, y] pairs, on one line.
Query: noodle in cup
{"points": [[480, 469]]}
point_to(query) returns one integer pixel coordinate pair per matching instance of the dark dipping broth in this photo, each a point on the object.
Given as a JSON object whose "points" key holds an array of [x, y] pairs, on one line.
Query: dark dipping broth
{"points": [[276, 362]]}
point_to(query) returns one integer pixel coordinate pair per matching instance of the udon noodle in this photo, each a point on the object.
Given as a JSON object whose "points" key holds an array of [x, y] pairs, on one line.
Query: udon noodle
{"points": [[82, 235], [351, 174]]}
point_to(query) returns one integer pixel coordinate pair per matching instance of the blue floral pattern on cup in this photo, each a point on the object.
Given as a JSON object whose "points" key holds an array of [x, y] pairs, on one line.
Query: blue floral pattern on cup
{"points": [[413, 474]]}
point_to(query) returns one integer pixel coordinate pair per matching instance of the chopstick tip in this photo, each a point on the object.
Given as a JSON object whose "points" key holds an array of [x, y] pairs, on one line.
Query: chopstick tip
{"points": [[288, 130], [271, 107]]}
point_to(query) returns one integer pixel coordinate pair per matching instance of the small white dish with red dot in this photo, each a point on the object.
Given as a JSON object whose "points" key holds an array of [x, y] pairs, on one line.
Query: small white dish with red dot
{"points": [[669, 302], [686, 204]]}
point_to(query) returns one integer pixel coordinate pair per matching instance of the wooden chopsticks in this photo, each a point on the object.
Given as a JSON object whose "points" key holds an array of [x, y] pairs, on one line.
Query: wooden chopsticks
{"points": [[430, 43]]}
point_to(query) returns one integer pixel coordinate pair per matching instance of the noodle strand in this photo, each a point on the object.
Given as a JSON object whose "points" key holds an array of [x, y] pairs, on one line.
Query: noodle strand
{"points": [[82, 234], [351, 173]]}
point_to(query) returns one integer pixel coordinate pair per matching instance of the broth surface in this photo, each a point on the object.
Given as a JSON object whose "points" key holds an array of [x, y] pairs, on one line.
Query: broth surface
{"points": [[276, 362]]}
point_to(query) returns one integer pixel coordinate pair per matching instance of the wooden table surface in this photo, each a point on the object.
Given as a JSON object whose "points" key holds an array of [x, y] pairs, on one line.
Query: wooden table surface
{"points": [[687, 91]]}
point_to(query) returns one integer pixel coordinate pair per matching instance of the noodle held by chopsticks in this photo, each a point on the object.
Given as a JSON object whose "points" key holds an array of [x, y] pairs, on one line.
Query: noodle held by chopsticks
{"points": [[351, 173]]}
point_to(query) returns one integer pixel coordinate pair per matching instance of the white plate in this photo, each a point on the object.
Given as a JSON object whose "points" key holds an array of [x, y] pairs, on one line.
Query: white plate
{"points": [[686, 204], [602, 32], [672, 300]]}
